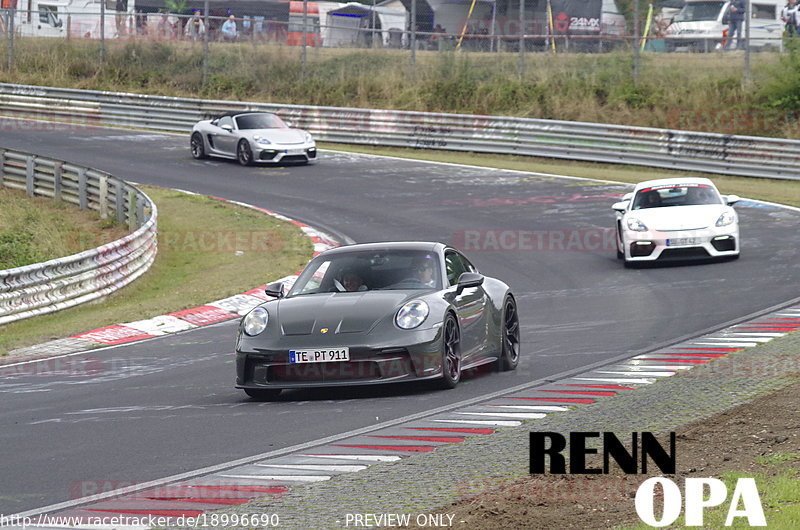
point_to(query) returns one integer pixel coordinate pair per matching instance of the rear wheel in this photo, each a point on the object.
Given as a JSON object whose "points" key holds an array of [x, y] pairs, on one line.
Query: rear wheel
{"points": [[451, 357], [197, 146], [509, 353], [263, 394], [243, 153]]}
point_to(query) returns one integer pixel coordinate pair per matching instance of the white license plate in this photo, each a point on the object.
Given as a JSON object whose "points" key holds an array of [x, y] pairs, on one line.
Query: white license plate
{"points": [[319, 356], [294, 151], [683, 241]]}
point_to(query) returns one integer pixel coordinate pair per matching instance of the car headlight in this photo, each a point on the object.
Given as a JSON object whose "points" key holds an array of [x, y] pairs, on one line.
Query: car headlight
{"points": [[636, 225], [412, 314], [308, 138], [726, 218], [261, 140], [256, 321]]}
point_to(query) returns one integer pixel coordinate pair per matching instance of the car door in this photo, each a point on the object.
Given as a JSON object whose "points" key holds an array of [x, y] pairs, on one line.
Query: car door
{"points": [[471, 305], [224, 141]]}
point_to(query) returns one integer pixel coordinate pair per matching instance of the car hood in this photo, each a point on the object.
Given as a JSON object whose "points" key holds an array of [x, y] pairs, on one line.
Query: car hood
{"points": [[356, 312], [680, 217], [279, 136]]}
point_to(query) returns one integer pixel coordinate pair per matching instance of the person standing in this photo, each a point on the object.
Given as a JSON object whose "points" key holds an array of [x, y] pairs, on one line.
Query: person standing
{"points": [[229, 29], [737, 11], [789, 18]]}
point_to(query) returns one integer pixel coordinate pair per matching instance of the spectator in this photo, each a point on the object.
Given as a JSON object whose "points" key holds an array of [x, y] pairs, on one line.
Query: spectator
{"points": [[164, 28], [737, 12], [121, 8], [789, 18], [195, 28], [229, 29]]}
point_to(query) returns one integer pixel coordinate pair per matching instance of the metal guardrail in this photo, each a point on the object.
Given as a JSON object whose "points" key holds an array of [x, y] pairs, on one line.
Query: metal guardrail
{"points": [[746, 156], [65, 282]]}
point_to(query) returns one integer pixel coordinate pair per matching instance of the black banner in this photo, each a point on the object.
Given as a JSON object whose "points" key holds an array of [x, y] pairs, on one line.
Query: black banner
{"points": [[576, 17]]}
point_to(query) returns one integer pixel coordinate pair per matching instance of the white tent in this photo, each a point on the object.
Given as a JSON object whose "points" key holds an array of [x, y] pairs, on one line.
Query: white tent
{"points": [[350, 24]]}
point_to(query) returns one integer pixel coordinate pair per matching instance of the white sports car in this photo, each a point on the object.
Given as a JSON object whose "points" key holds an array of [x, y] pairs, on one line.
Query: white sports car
{"points": [[676, 218], [251, 137]]}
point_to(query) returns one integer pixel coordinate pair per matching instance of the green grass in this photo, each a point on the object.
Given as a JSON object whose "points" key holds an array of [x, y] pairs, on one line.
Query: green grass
{"points": [[36, 229], [683, 91], [234, 250]]}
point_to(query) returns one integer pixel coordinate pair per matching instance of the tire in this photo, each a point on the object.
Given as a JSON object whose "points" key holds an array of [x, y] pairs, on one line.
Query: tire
{"points": [[451, 356], [509, 336], [263, 394], [197, 146], [243, 153]]}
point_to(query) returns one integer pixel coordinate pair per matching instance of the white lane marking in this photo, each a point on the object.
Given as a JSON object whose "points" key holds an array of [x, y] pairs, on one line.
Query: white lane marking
{"points": [[760, 334], [281, 478], [740, 339], [160, 325], [726, 343], [642, 381], [675, 366], [651, 374], [543, 408], [512, 415], [316, 467], [497, 423], [365, 458]]}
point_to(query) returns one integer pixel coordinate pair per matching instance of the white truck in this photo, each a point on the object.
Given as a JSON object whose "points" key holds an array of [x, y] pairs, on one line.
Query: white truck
{"points": [[72, 18], [702, 25]]}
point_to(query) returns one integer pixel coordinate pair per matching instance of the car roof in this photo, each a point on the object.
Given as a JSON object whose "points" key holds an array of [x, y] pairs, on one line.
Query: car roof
{"points": [[425, 246], [234, 114], [674, 181]]}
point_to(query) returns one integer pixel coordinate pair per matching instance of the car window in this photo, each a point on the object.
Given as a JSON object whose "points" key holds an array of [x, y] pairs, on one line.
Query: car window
{"points": [[225, 120], [676, 195], [260, 121], [455, 266], [468, 264]]}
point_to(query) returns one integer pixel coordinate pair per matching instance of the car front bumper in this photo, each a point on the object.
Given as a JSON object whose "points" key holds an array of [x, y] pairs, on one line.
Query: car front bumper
{"points": [[653, 245], [418, 357], [281, 153]]}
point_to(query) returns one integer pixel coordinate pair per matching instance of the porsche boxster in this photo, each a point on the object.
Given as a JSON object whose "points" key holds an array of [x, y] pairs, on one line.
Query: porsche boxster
{"points": [[251, 137], [378, 313], [677, 218]]}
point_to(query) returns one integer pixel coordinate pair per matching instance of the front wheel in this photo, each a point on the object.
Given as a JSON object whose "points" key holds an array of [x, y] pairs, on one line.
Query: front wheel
{"points": [[509, 350], [263, 394], [243, 153], [451, 357], [197, 146]]}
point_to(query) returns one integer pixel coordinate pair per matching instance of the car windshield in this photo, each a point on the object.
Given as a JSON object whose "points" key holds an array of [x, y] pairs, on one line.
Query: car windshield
{"points": [[260, 121], [699, 11], [360, 271], [675, 195]]}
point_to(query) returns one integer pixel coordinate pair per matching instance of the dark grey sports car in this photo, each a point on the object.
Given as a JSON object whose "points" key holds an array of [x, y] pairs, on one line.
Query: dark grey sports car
{"points": [[378, 313], [251, 137]]}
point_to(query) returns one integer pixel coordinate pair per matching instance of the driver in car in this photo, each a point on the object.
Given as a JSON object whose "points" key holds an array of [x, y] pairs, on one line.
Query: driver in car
{"points": [[425, 272], [353, 282]]}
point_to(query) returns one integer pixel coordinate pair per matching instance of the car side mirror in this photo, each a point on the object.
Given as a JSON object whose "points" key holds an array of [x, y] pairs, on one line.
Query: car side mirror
{"points": [[275, 289], [620, 206], [226, 128], [469, 279], [730, 200]]}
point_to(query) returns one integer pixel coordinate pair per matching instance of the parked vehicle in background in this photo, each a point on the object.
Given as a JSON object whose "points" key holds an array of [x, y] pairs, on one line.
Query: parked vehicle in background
{"points": [[702, 25], [72, 18]]}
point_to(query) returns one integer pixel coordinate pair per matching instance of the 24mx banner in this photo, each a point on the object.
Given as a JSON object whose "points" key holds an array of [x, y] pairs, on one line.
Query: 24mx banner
{"points": [[576, 17]]}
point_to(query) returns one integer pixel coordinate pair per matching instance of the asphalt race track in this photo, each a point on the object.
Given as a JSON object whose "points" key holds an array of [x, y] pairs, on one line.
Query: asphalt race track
{"points": [[168, 405]]}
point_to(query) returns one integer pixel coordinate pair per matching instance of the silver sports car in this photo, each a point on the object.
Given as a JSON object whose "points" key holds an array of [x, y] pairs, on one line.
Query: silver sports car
{"points": [[378, 313], [252, 137]]}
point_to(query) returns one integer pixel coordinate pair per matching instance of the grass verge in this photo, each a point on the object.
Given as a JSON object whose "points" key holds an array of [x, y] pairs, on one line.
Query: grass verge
{"points": [[232, 249], [36, 229]]}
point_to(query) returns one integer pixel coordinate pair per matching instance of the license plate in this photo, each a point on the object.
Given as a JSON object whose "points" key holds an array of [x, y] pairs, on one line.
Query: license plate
{"points": [[319, 356], [683, 241], [294, 151]]}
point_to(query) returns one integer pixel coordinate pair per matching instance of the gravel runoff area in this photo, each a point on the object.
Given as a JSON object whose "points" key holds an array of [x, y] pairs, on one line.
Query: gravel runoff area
{"points": [[484, 481]]}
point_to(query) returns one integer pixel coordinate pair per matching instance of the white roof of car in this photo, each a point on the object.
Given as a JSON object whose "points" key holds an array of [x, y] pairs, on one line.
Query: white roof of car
{"points": [[676, 181]]}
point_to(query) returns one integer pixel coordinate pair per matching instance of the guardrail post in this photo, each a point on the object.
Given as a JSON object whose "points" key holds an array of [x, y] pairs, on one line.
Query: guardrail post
{"points": [[131, 210], [57, 170], [119, 200], [29, 174], [140, 220], [103, 196], [2, 166], [83, 196]]}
